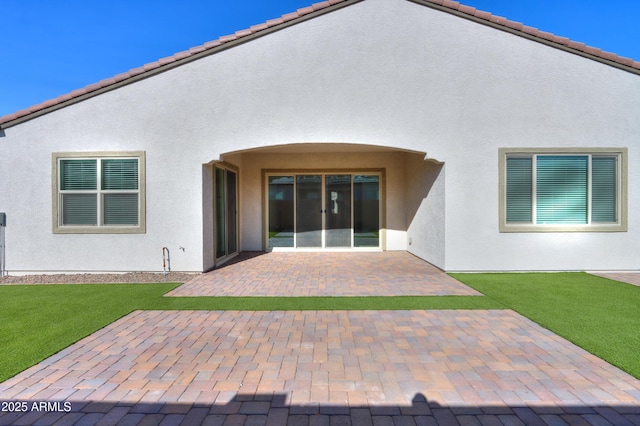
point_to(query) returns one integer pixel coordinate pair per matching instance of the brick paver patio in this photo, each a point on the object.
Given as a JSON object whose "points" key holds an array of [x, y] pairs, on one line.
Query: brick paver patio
{"points": [[391, 273], [325, 367]]}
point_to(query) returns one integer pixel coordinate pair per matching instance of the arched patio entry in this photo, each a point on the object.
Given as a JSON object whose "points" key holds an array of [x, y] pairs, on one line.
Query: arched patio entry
{"points": [[322, 196]]}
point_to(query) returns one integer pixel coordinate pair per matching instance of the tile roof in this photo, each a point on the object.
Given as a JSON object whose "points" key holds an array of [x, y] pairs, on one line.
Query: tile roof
{"points": [[305, 13]]}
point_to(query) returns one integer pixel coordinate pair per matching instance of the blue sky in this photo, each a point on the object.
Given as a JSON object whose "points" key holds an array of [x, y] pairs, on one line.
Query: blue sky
{"points": [[51, 47]]}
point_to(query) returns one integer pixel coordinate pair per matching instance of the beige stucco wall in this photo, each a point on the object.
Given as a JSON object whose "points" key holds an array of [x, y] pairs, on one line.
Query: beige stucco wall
{"points": [[425, 209]]}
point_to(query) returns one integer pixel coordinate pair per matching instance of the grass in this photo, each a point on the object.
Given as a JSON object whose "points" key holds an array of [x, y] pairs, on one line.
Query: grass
{"points": [[276, 234], [597, 314], [600, 315]]}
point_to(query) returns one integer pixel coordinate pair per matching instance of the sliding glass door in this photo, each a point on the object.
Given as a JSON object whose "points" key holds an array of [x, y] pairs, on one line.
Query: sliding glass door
{"points": [[323, 210], [225, 212]]}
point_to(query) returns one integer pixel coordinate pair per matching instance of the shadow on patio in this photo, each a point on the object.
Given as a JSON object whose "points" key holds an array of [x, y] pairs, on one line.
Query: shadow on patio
{"points": [[274, 409]]}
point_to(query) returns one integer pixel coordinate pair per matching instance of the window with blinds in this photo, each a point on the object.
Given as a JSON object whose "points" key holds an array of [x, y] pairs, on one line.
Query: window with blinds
{"points": [[99, 192], [519, 190], [120, 191], [562, 189]]}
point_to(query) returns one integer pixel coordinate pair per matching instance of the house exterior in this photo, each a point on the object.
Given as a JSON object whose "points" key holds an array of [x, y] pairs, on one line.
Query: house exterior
{"points": [[471, 141]]}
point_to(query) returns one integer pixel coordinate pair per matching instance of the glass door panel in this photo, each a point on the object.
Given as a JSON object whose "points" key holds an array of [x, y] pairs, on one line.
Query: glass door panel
{"points": [[338, 210], [220, 213], [308, 211], [225, 212], [366, 211], [281, 223], [232, 213]]}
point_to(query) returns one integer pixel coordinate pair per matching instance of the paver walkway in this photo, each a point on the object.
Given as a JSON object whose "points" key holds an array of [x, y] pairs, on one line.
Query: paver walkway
{"points": [[390, 273], [625, 277], [325, 367]]}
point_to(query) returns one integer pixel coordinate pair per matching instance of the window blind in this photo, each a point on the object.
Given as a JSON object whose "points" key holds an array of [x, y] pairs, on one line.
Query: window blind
{"points": [[603, 189], [78, 175], [561, 189], [120, 209], [79, 209], [119, 174], [519, 190]]}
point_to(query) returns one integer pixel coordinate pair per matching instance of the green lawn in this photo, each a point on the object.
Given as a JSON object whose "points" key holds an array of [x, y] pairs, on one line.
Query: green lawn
{"points": [[602, 316]]}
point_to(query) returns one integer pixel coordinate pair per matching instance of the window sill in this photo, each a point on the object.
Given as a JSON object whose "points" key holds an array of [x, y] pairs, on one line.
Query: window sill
{"points": [[99, 230], [616, 227]]}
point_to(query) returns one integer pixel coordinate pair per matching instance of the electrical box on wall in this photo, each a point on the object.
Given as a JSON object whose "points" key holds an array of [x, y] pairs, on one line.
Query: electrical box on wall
{"points": [[3, 219]]}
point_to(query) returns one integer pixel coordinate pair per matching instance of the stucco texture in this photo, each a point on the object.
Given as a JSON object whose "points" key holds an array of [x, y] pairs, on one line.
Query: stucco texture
{"points": [[390, 74]]}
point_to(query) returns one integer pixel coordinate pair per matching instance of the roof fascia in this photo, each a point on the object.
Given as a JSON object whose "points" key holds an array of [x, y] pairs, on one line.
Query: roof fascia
{"points": [[161, 68], [521, 33]]}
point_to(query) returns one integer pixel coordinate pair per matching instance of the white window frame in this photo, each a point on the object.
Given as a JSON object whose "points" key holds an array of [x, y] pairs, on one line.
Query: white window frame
{"points": [[99, 228], [621, 187]]}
